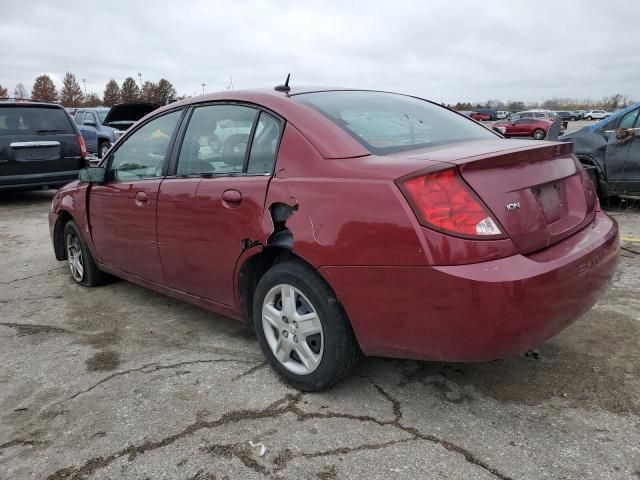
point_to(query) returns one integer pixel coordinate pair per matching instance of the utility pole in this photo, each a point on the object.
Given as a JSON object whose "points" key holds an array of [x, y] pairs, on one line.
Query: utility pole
{"points": [[203, 85], [84, 81], [140, 78]]}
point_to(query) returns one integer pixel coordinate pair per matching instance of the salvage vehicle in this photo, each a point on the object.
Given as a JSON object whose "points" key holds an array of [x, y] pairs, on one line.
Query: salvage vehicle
{"points": [[40, 146], [101, 126], [610, 151], [344, 222], [524, 127]]}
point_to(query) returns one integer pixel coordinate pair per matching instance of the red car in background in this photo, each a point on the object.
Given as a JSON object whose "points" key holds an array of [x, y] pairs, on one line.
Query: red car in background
{"points": [[477, 116], [342, 222], [524, 127]]}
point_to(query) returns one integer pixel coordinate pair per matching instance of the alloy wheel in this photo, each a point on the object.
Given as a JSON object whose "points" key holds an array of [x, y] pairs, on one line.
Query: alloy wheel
{"points": [[292, 329], [74, 256]]}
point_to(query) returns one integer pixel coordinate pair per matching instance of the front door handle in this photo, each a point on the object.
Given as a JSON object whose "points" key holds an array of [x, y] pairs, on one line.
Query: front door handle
{"points": [[141, 199], [231, 198]]}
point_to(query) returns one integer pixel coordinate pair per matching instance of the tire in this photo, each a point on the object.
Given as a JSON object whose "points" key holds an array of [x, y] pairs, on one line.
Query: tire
{"points": [[330, 349], [589, 117], [83, 268], [103, 148], [573, 119], [539, 134]]}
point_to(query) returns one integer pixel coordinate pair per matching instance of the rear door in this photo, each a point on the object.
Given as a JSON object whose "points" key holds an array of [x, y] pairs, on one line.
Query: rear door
{"points": [[37, 140], [213, 207], [623, 155], [122, 212]]}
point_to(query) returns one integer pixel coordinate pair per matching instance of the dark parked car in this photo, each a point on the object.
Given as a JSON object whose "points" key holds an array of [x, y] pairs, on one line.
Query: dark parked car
{"points": [[566, 116], [102, 126], [610, 149], [524, 127], [40, 146], [344, 222]]}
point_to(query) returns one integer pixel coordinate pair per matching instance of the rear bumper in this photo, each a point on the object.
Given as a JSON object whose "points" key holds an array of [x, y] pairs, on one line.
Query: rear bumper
{"points": [[481, 311], [37, 180]]}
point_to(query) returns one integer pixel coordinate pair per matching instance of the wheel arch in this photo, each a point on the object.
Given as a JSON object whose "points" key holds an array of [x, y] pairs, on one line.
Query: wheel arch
{"points": [[64, 217]]}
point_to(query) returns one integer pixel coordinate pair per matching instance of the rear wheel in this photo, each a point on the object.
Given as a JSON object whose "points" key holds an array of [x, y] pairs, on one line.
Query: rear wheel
{"points": [[538, 134], [303, 330], [81, 264], [103, 149], [573, 119], [589, 117]]}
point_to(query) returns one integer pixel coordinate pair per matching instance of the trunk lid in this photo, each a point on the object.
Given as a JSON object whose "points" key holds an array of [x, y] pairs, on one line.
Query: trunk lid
{"points": [[536, 190]]}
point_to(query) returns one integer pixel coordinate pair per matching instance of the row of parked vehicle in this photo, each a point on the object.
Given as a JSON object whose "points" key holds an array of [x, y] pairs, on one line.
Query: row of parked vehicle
{"points": [[488, 114], [43, 145]]}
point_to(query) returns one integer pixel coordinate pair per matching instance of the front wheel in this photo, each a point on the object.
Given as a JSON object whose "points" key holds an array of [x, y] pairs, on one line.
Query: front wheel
{"points": [[538, 134], [81, 264], [104, 148], [589, 117], [303, 330]]}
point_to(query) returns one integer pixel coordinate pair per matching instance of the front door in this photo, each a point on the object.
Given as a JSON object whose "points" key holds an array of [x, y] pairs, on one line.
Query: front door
{"points": [[623, 155], [122, 212], [212, 208]]}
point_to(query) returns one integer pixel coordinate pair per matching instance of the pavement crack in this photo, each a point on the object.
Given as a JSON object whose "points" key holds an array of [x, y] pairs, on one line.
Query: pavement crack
{"points": [[19, 441], [32, 276], [250, 371], [154, 367], [239, 451], [92, 465]]}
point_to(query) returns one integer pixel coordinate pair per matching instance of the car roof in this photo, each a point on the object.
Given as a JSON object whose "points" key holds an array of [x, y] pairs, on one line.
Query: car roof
{"points": [[29, 103]]}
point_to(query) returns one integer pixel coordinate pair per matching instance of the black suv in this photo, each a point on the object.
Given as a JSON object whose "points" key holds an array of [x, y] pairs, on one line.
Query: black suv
{"points": [[40, 146]]}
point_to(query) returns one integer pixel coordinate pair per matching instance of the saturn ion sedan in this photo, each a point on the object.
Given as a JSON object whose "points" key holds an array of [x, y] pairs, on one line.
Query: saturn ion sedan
{"points": [[342, 223]]}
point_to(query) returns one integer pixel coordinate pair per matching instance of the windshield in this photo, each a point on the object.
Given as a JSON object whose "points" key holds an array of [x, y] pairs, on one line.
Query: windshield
{"points": [[388, 123], [102, 114], [33, 121]]}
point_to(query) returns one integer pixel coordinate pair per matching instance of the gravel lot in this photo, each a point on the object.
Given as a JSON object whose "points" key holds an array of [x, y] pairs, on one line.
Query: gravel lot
{"points": [[121, 382]]}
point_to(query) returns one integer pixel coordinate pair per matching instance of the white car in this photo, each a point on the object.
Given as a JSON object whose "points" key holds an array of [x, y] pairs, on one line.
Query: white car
{"points": [[596, 115], [502, 114]]}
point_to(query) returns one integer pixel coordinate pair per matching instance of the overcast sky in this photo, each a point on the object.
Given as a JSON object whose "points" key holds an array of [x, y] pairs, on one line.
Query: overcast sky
{"points": [[469, 50]]}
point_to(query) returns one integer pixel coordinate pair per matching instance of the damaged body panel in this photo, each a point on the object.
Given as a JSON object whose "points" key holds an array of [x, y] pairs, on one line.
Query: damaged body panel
{"points": [[610, 149]]}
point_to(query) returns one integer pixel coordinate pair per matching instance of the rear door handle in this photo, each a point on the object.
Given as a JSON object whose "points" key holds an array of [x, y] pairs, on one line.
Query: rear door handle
{"points": [[231, 198]]}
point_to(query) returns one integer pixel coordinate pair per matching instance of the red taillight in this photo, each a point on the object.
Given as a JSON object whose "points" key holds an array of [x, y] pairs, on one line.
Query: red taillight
{"points": [[442, 200], [83, 147]]}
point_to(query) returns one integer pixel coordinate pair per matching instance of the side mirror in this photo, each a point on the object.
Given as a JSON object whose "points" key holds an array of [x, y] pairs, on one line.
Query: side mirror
{"points": [[93, 175]]}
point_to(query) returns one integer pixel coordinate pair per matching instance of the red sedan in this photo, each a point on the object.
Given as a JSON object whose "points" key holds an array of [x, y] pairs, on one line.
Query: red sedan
{"points": [[344, 222], [524, 127]]}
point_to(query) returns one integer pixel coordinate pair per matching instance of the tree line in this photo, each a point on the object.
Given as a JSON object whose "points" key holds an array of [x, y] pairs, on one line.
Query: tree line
{"points": [[612, 102], [71, 95]]}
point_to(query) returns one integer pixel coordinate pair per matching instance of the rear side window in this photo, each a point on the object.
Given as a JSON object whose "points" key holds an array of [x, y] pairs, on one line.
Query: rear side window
{"points": [[216, 140], [34, 121], [387, 123]]}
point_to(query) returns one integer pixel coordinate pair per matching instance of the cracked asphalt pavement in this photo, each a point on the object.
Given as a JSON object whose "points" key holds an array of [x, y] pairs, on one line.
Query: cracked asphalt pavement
{"points": [[119, 382]]}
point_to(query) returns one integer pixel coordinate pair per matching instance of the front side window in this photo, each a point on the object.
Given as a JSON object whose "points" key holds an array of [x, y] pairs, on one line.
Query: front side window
{"points": [[89, 118], [629, 119], [386, 123], [216, 140], [142, 155]]}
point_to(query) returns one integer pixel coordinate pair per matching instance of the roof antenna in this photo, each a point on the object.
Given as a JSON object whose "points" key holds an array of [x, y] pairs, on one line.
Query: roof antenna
{"points": [[285, 87]]}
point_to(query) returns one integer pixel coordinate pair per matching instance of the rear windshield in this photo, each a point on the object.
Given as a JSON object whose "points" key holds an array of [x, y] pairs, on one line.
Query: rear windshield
{"points": [[388, 123], [33, 121]]}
